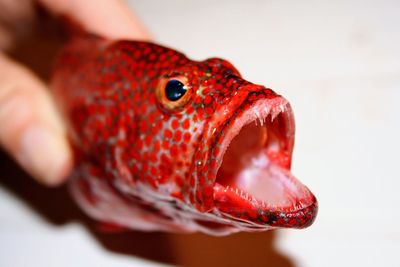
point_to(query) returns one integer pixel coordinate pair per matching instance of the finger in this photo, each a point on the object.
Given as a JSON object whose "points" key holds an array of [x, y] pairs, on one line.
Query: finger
{"points": [[30, 129], [16, 19], [112, 19]]}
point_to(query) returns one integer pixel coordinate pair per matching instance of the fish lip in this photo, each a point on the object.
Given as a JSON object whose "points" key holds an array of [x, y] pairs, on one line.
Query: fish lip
{"points": [[299, 217]]}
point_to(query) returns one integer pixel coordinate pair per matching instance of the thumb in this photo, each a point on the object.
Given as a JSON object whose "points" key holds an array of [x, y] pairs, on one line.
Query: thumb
{"points": [[30, 129]]}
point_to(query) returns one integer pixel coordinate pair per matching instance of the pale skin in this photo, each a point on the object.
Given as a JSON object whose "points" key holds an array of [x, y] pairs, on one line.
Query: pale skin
{"points": [[31, 130]]}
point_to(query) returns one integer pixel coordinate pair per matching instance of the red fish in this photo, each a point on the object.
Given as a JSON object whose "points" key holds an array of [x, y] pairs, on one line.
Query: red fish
{"points": [[167, 143]]}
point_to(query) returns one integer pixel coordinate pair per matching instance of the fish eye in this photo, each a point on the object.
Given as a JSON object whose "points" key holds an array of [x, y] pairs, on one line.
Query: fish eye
{"points": [[175, 90], [173, 93]]}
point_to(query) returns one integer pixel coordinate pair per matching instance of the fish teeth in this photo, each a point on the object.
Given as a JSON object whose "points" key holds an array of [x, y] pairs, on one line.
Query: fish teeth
{"points": [[263, 205], [260, 118], [273, 117], [257, 115], [245, 195]]}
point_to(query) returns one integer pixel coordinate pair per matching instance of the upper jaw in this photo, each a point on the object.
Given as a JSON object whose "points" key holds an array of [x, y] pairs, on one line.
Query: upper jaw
{"points": [[261, 193]]}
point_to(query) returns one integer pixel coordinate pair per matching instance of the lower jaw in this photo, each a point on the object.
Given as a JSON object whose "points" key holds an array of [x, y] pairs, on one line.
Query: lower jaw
{"points": [[243, 204]]}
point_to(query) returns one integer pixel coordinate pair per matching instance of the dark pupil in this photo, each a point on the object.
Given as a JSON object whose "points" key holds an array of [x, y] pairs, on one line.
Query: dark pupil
{"points": [[174, 90]]}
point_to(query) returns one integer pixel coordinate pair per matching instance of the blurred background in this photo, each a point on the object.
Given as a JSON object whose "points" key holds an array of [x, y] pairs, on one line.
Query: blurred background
{"points": [[338, 63]]}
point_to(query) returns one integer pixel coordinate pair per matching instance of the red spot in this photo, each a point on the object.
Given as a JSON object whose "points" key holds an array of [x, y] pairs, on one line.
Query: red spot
{"points": [[165, 145], [147, 140], [252, 97], [210, 175], [174, 151], [202, 179], [163, 179], [186, 137], [136, 97], [145, 167], [164, 159], [229, 83], [153, 158], [177, 195], [183, 147], [198, 195], [156, 146], [105, 135], [208, 202], [253, 214], [189, 110], [154, 171], [135, 170], [209, 111], [186, 124], [207, 99], [216, 152], [191, 198], [264, 218], [143, 109], [177, 136], [179, 181], [154, 130], [134, 155], [137, 53], [280, 221], [151, 181], [139, 144], [198, 100], [167, 133], [208, 191], [200, 114], [143, 126], [108, 121], [152, 116], [213, 164], [175, 124], [159, 124], [152, 57]]}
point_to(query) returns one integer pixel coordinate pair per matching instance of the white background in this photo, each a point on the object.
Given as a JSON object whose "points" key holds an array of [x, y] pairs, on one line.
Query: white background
{"points": [[338, 63]]}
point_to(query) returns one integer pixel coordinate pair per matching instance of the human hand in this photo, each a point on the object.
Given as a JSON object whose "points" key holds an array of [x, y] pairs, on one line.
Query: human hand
{"points": [[31, 130]]}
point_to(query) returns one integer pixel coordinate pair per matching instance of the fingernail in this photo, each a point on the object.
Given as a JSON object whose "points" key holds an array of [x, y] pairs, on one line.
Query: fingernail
{"points": [[45, 155]]}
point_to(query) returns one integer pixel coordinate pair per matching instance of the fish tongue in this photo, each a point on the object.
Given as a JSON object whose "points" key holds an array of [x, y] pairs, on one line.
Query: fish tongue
{"points": [[272, 184], [262, 185], [267, 182]]}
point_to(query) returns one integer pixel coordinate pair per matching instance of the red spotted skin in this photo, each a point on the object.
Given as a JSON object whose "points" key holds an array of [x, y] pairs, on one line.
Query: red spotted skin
{"points": [[142, 165]]}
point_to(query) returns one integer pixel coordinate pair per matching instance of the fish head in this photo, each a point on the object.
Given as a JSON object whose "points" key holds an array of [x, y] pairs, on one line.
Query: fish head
{"points": [[228, 149]]}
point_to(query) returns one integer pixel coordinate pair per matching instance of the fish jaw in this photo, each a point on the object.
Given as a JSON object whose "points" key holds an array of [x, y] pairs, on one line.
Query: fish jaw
{"points": [[249, 166]]}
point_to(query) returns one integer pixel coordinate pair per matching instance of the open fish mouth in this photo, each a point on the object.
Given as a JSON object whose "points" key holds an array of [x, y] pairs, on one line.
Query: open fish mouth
{"points": [[253, 183]]}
